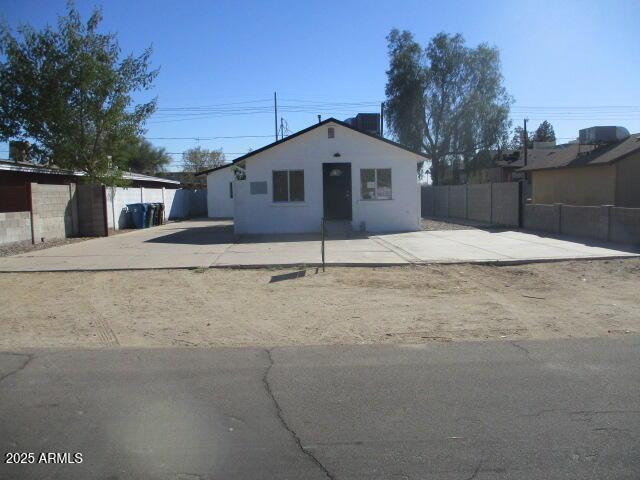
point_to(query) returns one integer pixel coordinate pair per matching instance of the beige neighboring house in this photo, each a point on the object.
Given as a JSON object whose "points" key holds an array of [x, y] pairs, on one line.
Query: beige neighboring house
{"points": [[579, 174]]}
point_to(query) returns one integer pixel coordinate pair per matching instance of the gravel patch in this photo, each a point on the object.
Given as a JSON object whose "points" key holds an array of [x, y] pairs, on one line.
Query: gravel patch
{"points": [[23, 247], [433, 224]]}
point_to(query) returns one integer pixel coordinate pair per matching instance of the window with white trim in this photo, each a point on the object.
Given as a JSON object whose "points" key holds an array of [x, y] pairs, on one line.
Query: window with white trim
{"points": [[375, 184], [288, 185]]}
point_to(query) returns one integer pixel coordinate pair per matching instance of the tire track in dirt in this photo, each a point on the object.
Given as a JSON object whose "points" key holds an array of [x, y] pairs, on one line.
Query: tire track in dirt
{"points": [[106, 335]]}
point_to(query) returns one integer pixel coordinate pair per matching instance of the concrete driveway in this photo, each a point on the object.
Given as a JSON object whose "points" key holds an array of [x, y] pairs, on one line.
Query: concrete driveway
{"points": [[208, 243]]}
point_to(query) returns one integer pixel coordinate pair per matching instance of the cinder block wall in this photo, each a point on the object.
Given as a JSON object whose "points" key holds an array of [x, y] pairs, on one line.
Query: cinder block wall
{"points": [[458, 201], [605, 222], [580, 221], [441, 201], [15, 227], [427, 199], [91, 210], [479, 200], [54, 211], [544, 218], [505, 206], [624, 226], [496, 203]]}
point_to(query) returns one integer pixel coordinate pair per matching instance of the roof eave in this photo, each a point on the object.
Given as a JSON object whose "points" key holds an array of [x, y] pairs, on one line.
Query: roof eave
{"points": [[325, 122], [55, 171]]}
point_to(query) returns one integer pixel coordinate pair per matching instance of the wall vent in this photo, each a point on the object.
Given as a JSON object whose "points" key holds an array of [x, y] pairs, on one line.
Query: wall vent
{"points": [[331, 132]]}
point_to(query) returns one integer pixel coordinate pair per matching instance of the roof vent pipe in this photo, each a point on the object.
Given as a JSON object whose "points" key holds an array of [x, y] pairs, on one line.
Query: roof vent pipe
{"points": [[319, 118]]}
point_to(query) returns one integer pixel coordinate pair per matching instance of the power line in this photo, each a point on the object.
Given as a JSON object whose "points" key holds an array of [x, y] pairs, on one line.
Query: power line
{"points": [[207, 138], [223, 152]]}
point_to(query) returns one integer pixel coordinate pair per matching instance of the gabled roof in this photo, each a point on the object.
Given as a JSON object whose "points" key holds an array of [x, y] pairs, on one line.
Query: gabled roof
{"points": [[308, 129], [576, 155]]}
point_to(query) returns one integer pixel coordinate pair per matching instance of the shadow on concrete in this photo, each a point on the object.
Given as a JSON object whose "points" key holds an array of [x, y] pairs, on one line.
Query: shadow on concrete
{"points": [[223, 234], [211, 235]]}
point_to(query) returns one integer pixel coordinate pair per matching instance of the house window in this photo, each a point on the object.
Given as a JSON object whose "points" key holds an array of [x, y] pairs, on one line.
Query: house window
{"points": [[375, 184], [331, 132], [288, 185], [230, 189]]}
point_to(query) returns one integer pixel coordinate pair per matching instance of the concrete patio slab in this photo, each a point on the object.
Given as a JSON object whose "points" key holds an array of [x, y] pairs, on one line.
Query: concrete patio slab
{"points": [[208, 243], [502, 246]]}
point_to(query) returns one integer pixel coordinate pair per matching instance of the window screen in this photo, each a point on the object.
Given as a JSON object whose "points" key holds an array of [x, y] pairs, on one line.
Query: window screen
{"points": [[383, 180], [296, 185], [280, 186], [375, 184], [368, 184], [288, 185]]}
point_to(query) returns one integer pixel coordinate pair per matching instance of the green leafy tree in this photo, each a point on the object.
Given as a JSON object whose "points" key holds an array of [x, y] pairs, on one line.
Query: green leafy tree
{"points": [[142, 156], [447, 99], [68, 92], [517, 139], [404, 106], [544, 133], [198, 159]]}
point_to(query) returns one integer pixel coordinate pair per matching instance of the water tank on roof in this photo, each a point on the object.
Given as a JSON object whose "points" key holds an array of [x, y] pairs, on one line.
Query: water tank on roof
{"points": [[602, 135], [369, 122]]}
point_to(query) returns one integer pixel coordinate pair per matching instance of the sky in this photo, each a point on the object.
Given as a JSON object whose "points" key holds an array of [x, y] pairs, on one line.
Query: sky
{"points": [[574, 63]]}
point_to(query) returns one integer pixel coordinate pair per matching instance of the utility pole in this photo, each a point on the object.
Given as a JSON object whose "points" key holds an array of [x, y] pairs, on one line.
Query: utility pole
{"points": [[275, 108], [382, 119], [525, 140]]}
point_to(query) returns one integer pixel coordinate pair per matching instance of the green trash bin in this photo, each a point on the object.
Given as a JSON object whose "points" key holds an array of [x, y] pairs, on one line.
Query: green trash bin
{"points": [[148, 217]]}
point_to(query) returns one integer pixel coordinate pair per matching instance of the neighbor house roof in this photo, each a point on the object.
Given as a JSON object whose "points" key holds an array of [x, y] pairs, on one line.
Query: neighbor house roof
{"points": [[214, 169], [576, 155], [25, 167], [308, 129], [509, 159]]}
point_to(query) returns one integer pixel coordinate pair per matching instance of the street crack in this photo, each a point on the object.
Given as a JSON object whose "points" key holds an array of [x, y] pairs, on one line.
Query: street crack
{"points": [[28, 358], [520, 347], [283, 422], [476, 471]]}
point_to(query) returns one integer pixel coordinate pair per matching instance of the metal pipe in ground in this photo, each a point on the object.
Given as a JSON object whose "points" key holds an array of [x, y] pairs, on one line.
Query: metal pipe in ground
{"points": [[322, 241]]}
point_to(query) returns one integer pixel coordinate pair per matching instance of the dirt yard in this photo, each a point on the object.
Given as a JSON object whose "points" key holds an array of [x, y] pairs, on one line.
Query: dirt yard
{"points": [[343, 305]]}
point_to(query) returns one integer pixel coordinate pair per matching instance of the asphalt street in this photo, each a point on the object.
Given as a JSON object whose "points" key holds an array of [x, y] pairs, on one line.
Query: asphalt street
{"points": [[566, 409]]}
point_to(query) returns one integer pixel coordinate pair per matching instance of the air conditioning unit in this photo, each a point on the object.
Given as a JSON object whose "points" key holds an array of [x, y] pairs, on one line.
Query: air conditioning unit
{"points": [[602, 135], [368, 122]]}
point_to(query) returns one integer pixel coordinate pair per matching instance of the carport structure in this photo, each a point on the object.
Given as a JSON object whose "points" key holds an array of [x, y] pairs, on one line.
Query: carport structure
{"points": [[211, 244]]}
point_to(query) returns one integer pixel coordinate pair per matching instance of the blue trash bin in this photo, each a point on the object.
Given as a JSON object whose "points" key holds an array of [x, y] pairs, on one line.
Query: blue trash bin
{"points": [[137, 212]]}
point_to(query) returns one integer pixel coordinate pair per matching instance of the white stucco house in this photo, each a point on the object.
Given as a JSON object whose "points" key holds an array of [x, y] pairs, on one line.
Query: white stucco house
{"points": [[330, 170], [220, 191]]}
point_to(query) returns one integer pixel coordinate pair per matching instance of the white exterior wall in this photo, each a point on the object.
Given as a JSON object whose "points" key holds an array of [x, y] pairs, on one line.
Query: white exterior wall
{"points": [[178, 203], [259, 214], [219, 203], [117, 200]]}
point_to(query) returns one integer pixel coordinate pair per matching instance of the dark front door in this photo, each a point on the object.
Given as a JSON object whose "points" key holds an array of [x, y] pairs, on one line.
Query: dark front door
{"points": [[336, 182]]}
